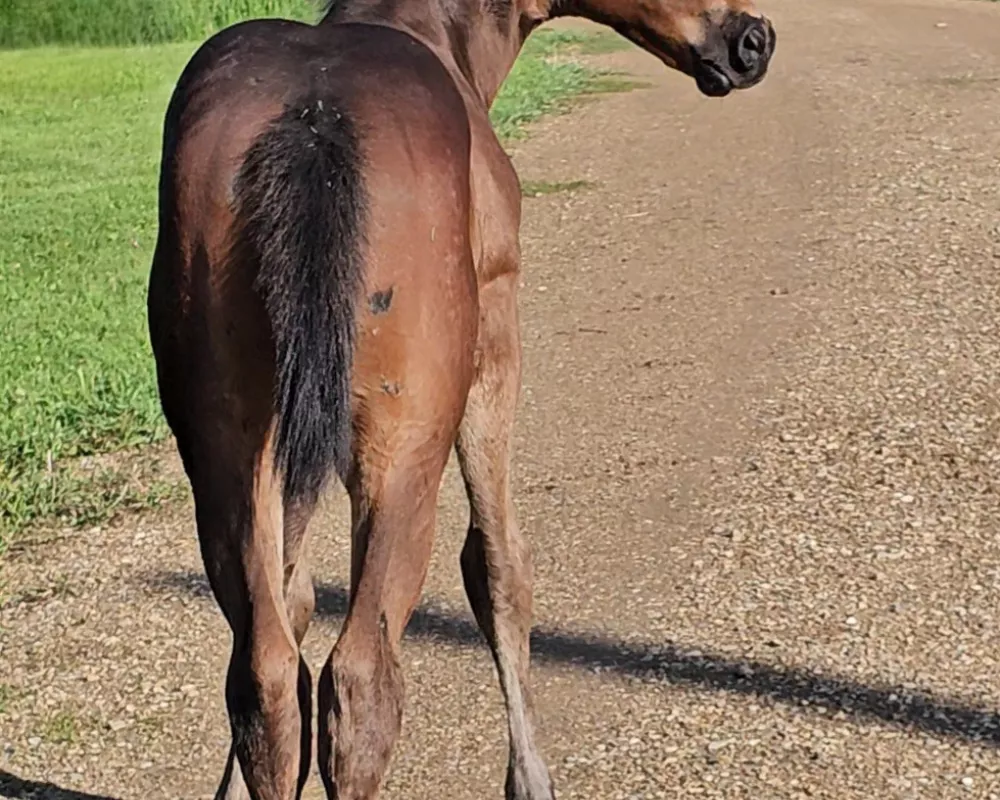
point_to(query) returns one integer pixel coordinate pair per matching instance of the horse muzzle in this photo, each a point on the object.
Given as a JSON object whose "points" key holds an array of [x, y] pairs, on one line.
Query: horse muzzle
{"points": [[735, 54]]}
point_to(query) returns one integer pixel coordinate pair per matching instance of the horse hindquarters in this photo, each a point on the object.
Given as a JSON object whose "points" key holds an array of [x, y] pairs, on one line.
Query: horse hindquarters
{"points": [[253, 336]]}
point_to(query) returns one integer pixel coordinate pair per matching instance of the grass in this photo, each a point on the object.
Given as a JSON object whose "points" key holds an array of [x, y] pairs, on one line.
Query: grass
{"points": [[30, 23], [542, 188], [63, 728], [547, 77], [79, 141], [599, 43], [79, 153]]}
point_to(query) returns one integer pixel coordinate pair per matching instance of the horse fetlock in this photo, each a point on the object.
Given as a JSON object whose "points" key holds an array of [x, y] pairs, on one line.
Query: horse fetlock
{"points": [[232, 787], [263, 698], [268, 756], [360, 717]]}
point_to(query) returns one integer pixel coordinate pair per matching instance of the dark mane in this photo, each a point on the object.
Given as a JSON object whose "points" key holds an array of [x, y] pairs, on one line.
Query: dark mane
{"points": [[457, 10]]}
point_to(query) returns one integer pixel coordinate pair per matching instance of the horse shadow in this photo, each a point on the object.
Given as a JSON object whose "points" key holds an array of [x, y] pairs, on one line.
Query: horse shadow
{"points": [[16, 788], [692, 666], [650, 662]]}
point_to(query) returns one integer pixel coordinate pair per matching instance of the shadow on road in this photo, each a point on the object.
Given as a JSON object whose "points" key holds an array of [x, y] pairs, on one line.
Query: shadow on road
{"points": [[697, 668], [17, 788]]}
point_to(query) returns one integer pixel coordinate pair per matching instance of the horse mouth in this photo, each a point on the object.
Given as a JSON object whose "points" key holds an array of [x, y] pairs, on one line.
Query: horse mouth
{"points": [[711, 80]]}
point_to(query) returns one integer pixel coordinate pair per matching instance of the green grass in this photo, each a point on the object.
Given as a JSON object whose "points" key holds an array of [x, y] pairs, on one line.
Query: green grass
{"points": [[63, 728], [29, 23], [542, 188], [79, 153], [546, 78], [79, 141], [599, 43]]}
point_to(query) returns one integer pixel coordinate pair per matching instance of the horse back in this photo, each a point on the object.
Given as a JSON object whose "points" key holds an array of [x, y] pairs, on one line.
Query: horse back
{"points": [[411, 119]]}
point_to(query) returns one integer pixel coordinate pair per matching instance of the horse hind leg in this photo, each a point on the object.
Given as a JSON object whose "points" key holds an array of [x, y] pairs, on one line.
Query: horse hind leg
{"points": [[496, 560], [361, 688], [240, 520], [214, 396], [300, 603]]}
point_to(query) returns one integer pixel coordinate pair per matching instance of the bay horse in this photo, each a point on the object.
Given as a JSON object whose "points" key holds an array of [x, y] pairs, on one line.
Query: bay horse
{"points": [[333, 292]]}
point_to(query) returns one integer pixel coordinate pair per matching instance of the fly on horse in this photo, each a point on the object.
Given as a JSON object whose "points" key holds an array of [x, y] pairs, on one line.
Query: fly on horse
{"points": [[333, 292]]}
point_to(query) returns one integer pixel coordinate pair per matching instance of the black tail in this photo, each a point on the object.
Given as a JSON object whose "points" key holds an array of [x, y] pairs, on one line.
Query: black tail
{"points": [[301, 203]]}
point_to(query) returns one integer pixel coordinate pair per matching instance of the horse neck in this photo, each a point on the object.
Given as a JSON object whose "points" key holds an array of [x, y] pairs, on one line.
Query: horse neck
{"points": [[480, 39]]}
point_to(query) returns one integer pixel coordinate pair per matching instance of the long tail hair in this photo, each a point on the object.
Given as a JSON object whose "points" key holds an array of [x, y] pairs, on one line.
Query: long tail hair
{"points": [[302, 206]]}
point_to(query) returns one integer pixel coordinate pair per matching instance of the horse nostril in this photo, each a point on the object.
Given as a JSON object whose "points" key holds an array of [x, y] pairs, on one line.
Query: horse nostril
{"points": [[750, 47]]}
